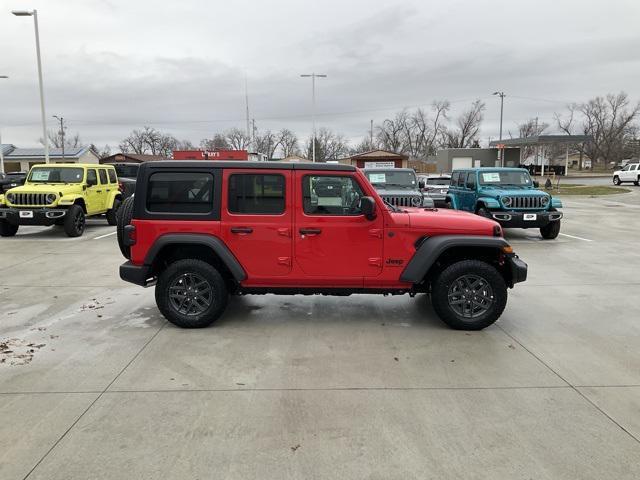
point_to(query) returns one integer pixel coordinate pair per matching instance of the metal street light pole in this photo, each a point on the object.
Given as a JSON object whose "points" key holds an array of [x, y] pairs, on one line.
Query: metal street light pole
{"points": [[1, 152], [501, 95], [313, 110], [61, 120], [34, 14]]}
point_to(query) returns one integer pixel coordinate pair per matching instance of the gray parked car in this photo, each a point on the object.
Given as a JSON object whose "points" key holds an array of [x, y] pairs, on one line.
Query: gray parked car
{"points": [[398, 186], [435, 187]]}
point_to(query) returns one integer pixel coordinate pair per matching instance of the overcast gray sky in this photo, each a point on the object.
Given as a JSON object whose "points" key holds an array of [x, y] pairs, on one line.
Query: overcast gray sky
{"points": [[114, 65]]}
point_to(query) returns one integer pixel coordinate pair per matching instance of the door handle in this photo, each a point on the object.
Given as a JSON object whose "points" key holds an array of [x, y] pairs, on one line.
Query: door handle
{"points": [[98, 191], [242, 230], [310, 231]]}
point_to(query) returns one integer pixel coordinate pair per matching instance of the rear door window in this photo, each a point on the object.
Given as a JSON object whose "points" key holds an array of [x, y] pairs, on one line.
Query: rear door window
{"points": [[180, 192], [257, 194]]}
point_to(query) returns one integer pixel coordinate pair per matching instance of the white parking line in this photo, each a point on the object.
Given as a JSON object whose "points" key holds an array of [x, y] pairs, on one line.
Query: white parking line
{"points": [[577, 238], [106, 235]]}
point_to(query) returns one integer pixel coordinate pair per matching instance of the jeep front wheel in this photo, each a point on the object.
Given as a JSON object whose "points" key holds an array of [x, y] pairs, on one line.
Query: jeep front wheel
{"points": [[191, 293], [74, 221], [7, 229], [551, 230], [469, 295]]}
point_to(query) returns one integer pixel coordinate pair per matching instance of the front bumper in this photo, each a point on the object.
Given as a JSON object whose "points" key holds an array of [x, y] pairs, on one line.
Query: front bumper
{"points": [[518, 269], [511, 219], [32, 216], [137, 274]]}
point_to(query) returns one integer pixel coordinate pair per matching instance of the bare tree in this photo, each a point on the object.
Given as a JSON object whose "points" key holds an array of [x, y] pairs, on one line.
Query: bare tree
{"points": [[56, 136], [390, 134], [465, 133], [218, 142], [266, 143], [608, 120], [149, 141], [288, 142], [237, 139], [105, 152], [531, 128], [329, 145]]}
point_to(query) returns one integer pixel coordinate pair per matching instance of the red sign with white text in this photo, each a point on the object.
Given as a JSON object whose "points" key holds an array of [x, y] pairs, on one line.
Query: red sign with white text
{"points": [[210, 155]]}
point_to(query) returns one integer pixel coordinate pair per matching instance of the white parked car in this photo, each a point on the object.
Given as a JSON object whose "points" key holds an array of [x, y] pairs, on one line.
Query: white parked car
{"points": [[630, 173]]}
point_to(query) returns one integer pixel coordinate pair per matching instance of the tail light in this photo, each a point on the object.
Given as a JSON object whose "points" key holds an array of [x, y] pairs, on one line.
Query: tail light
{"points": [[121, 187], [130, 236]]}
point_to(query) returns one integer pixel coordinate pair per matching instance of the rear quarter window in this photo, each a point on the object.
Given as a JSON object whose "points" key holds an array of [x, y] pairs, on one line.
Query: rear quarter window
{"points": [[180, 192]]}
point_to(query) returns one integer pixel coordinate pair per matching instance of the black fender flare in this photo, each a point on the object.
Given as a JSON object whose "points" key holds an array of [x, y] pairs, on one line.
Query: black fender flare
{"points": [[217, 245], [431, 248]]}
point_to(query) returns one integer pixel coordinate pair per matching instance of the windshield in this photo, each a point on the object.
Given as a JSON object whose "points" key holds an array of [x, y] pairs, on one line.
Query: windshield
{"points": [[56, 175], [390, 178], [438, 181], [129, 171], [518, 178]]}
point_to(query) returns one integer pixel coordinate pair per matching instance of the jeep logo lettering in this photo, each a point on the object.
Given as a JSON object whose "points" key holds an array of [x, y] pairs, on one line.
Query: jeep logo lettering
{"points": [[394, 262]]}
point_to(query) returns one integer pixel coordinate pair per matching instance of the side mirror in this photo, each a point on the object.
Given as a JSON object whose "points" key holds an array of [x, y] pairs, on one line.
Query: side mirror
{"points": [[536, 184], [421, 184], [368, 207]]}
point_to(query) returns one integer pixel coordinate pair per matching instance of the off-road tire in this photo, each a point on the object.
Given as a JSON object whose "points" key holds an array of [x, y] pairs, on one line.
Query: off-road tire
{"points": [[550, 230], [172, 274], [112, 213], [443, 283], [74, 221], [8, 229], [616, 180], [123, 218]]}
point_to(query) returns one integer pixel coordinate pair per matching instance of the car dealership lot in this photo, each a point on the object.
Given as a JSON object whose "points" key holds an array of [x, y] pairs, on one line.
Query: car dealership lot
{"points": [[95, 383]]}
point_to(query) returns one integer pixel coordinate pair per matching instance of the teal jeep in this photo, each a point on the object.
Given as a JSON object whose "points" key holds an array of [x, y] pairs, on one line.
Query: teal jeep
{"points": [[506, 195]]}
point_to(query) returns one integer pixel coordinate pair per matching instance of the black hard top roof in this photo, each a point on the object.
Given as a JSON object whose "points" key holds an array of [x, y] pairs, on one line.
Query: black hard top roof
{"points": [[245, 164]]}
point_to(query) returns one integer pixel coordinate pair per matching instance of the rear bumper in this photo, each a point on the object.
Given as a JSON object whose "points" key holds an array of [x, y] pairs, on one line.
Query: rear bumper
{"points": [[518, 269], [39, 216], [137, 274], [509, 219]]}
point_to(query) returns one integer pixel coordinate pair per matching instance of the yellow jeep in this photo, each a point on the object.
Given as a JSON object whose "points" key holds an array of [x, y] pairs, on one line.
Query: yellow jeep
{"points": [[61, 194]]}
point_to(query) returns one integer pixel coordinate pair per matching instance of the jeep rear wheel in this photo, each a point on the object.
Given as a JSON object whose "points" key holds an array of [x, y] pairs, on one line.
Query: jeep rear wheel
{"points": [[469, 295], [74, 221], [123, 218], [551, 230], [112, 213], [191, 293], [616, 180], [637, 182], [8, 229]]}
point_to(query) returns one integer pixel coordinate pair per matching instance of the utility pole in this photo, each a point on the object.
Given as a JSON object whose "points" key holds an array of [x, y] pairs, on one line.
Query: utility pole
{"points": [[61, 120], [371, 135], [1, 150], [34, 14], [501, 95], [313, 111], [246, 102]]}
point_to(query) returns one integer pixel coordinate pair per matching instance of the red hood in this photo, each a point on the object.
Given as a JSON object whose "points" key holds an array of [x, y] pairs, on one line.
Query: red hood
{"points": [[449, 222]]}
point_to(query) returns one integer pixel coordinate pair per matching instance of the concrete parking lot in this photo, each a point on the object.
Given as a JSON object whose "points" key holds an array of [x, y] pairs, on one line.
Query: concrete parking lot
{"points": [[94, 383]]}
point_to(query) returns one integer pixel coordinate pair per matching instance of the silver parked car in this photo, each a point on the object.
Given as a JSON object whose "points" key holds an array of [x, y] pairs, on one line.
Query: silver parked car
{"points": [[435, 187]]}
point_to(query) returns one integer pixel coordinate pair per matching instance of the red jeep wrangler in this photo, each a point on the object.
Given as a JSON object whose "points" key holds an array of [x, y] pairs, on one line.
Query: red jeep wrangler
{"points": [[203, 230]]}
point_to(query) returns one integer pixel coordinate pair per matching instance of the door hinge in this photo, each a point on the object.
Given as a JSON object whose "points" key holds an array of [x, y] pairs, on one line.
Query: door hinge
{"points": [[375, 262], [376, 232]]}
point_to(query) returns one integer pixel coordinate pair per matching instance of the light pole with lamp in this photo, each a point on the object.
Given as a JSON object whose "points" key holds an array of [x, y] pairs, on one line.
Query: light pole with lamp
{"points": [[501, 95], [1, 152], [61, 120], [313, 112], [34, 14]]}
